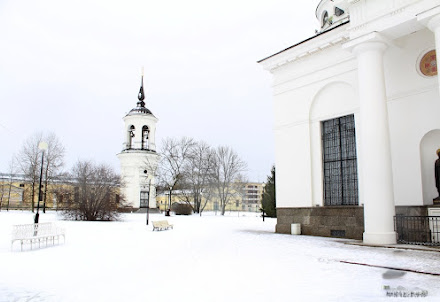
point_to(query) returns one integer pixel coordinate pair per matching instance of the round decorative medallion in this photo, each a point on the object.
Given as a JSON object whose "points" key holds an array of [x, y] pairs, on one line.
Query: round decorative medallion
{"points": [[428, 64]]}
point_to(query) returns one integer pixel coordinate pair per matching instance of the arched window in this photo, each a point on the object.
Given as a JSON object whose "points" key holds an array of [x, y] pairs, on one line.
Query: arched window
{"points": [[130, 135], [145, 133], [324, 19]]}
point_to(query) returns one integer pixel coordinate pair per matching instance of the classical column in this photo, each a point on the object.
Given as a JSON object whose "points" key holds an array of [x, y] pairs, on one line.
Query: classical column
{"points": [[377, 178]]}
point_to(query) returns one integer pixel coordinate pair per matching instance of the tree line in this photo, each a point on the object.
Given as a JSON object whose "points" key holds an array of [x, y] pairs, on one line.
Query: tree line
{"points": [[195, 170], [88, 191], [28, 162], [200, 172]]}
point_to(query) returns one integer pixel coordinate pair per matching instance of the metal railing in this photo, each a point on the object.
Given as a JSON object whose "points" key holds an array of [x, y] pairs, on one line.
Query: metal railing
{"points": [[421, 230]]}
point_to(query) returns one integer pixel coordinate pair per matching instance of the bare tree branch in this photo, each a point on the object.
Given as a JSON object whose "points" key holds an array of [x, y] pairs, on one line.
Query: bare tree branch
{"points": [[29, 161], [227, 169], [174, 156], [54, 161], [198, 173]]}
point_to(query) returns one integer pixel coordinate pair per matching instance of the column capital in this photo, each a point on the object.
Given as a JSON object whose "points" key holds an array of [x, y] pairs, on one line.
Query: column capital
{"points": [[430, 18], [371, 41]]}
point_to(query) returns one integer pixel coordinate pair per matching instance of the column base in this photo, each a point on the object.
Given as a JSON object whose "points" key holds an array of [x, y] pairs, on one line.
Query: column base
{"points": [[380, 238]]}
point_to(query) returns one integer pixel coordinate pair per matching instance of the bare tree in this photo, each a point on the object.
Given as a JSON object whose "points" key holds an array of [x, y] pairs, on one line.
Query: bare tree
{"points": [[96, 192], [174, 155], [227, 169], [208, 194], [3, 190], [198, 171], [11, 171], [53, 162], [239, 186], [29, 161]]}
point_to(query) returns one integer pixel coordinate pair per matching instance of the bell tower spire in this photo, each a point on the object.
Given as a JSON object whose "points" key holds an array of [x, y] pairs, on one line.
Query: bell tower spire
{"points": [[141, 95]]}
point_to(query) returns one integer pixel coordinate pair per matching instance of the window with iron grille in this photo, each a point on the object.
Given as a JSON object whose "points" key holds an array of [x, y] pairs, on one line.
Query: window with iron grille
{"points": [[340, 161]]}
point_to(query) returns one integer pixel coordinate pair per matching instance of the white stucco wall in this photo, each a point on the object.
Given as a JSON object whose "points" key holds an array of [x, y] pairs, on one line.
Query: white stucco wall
{"points": [[413, 106], [134, 180], [293, 166], [317, 80], [308, 92]]}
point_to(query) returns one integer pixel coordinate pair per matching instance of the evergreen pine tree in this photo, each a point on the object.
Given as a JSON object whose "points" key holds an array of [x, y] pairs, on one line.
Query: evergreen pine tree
{"points": [[269, 200]]}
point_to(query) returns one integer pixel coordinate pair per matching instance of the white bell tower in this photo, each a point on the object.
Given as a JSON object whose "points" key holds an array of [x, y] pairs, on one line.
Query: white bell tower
{"points": [[138, 156]]}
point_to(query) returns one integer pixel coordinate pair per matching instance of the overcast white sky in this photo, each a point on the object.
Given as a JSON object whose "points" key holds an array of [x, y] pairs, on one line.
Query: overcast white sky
{"points": [[73, 68]]}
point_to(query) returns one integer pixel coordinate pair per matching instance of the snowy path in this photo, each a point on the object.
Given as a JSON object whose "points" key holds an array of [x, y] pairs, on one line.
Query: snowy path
{"points": [[208, 258]]}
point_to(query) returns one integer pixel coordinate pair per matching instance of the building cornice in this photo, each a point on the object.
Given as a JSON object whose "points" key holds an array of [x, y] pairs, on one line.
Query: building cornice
{"points": [[394, 19], [307, 47]]}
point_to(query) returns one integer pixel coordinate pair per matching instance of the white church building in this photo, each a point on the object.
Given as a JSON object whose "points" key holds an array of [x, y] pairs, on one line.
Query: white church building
{"points": [[138, 157], [357, 119]]}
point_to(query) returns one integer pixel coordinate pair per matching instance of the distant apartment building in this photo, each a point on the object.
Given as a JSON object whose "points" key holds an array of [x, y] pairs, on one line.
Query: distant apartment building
{"points": [[247, 199], [252, 194]]}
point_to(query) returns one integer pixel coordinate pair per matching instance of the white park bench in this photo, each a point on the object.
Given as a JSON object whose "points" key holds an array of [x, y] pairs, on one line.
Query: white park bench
{"points": [[37, 233], [161, 225]]}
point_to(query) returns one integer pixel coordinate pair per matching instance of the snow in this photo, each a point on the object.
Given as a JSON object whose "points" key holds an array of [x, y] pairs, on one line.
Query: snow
{"points": [[208, 258]]}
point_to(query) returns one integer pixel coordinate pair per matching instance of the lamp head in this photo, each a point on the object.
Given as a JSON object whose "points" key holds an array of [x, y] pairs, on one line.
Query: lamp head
{"points": [[42, 146]]}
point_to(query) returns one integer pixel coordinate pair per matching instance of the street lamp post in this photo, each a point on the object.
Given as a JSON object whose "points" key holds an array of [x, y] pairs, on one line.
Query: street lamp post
{"points": [[200, 203], [148, 201], [43, 147], [167, 212], [149, 192]]}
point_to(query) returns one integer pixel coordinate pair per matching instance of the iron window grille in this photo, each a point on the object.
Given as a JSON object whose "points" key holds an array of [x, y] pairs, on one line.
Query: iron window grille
{"points": [[340, 161]]}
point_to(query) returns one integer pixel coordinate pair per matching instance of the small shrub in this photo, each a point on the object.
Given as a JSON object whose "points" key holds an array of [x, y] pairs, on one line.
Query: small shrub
{"points": [[181, 209]]}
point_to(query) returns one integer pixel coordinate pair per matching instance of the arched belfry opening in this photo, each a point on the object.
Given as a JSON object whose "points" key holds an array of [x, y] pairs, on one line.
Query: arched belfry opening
{"points": [[130, 137], [145, 133]]}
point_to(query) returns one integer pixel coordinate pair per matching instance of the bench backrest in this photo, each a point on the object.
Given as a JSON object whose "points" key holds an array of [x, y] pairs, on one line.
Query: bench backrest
{"points": [[35, 229], [161, 223]]}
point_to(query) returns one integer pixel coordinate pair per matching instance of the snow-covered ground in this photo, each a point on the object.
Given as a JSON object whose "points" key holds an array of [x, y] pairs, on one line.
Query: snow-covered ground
{"points": [[208, 258]]}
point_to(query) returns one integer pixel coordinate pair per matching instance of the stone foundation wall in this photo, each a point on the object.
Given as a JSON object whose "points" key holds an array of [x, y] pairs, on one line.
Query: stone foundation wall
{"points": [[344, 221], [341, 221]]}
